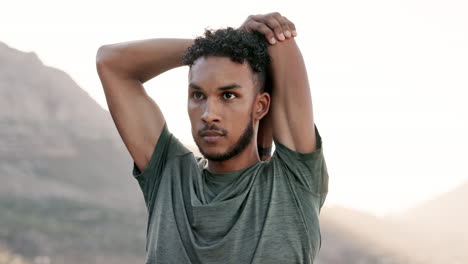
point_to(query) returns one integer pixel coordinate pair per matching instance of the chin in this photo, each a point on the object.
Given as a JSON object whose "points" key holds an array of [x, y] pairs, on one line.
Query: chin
{"points": [[215, 156], [211, 150]]}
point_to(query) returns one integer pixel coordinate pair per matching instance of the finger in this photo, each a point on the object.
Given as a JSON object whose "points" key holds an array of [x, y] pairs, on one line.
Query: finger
{"points": [[243, 28], [246, 25], [263, 29], [291, 26], [272, 22], [284, 23]]}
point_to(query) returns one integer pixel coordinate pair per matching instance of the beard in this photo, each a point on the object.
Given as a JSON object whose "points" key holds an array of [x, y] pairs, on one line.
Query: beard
{"points": [[233, 150]]}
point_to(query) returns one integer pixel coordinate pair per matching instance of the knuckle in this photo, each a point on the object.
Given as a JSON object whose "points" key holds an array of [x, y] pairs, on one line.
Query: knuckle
{"points": [[269, 19], [277, 27], [276, 14], [271, 33], [253, 17], [273, 23], [284, 24], [265, 29]]}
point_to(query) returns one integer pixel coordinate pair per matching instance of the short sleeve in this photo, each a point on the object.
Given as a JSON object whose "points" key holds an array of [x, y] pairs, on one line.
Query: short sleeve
{"points": [[308, 169], [166, 148]]}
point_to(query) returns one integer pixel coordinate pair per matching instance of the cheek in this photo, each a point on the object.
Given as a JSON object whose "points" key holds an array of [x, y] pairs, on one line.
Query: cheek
{"points": [[236, 121], [193, 111], [194, 116]]}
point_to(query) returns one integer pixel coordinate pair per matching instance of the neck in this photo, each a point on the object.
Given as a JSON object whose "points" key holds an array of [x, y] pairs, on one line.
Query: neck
{"points": [[248, 157]]}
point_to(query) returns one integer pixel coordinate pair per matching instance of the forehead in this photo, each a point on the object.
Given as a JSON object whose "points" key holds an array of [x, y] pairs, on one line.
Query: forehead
{"points": [[220, 70]]}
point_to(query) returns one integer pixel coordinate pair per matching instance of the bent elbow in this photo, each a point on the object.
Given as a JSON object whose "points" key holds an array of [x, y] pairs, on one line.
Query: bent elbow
{"points": [[103, 56]]}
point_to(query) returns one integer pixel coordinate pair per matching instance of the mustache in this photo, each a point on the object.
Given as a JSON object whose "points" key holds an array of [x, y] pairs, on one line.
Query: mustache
{"points": [[212, 127]]}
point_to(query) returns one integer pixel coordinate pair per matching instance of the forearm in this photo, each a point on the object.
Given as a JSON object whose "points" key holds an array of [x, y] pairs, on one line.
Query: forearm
{"points": [[286, 61], [291, 104], [291, 100], [288, 71], [143, 59]]}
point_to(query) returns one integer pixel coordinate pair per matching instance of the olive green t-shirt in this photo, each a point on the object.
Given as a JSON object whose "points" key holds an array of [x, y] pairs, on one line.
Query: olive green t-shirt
{"points": [[265, 213]]}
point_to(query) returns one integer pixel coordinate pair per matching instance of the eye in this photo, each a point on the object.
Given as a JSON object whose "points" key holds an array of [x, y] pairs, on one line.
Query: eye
{"points": [[229, 95], [197, 95]]}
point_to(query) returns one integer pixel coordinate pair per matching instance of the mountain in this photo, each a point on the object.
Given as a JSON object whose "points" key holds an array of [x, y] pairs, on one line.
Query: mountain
{"points": [[450, 206], [66, 175], [431, 233], [351, 236], [342, 244], [66, 192], [437, 229], [49, 128]]}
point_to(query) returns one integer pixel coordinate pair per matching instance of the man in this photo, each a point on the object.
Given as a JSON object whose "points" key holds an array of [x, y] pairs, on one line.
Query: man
{"points": [[233, 206]]}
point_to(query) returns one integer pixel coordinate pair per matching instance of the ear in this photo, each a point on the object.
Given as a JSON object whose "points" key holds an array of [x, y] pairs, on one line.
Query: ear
{"points": [[262, 105]]}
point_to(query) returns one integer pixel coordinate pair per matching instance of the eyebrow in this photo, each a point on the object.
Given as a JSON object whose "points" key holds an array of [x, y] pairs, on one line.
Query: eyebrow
{"points": [[222, 88]]}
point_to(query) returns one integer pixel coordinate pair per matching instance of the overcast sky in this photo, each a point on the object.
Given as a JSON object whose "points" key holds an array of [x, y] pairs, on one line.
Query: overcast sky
{"points": [[389, 79]]}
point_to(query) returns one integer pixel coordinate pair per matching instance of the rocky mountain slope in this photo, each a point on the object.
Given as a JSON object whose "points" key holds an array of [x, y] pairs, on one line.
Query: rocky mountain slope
{"points": [[66, 176]]}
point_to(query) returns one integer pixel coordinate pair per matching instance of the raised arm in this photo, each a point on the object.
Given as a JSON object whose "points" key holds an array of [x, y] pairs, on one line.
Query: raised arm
{"points": [[291, 114], [123, 68]]}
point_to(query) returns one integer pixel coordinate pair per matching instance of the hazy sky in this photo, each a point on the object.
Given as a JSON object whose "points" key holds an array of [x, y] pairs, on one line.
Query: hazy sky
{"points": [[389, 79]]}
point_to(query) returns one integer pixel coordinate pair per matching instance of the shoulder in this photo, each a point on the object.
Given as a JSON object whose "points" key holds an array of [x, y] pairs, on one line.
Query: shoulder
{"points": [[171, 142], [290, 156], [308, 170], [167, 148]]}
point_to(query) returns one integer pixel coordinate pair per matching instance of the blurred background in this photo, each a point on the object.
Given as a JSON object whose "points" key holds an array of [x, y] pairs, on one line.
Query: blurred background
{"points": [[389, 83]]}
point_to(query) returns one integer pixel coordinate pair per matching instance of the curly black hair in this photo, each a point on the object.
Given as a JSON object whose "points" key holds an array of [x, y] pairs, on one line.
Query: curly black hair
{"points": [[238, 45]]}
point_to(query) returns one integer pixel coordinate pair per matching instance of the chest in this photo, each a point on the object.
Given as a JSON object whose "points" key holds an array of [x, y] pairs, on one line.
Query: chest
{"points": [[258, 217]]}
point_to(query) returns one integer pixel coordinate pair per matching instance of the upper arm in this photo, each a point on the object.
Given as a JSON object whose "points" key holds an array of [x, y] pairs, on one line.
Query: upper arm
{"points": [[137, 117], [308, 170], [291, 106]]}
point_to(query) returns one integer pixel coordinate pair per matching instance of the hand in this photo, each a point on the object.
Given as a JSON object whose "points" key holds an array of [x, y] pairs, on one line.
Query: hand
{"points": [[273, 26]]}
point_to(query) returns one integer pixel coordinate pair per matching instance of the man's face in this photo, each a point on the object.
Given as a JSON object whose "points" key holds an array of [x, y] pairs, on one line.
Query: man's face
{"points": [[220, 102]]}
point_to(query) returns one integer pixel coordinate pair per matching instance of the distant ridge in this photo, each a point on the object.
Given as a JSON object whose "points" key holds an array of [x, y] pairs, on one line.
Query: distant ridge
{"points": [[431, 233], [49, 125], [44, 101]]}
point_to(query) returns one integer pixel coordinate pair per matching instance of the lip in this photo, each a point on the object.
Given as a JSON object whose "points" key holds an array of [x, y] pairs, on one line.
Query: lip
{"points": [[212, 139], [211, 136], [211, 133]]}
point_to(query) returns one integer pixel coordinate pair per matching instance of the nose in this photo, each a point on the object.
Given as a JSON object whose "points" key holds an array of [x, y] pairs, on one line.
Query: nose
{"points": [[210, 112]]}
